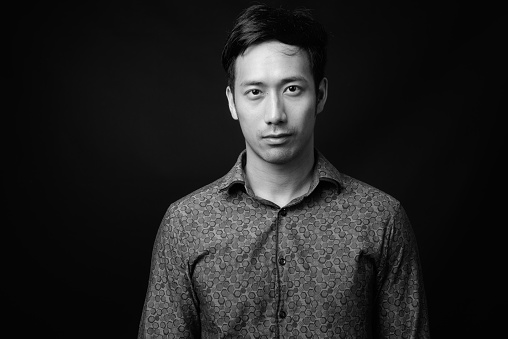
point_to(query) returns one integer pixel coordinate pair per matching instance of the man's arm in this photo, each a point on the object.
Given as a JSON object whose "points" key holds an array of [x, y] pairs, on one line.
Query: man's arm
{"points": [[401, 308], [170, 305]]}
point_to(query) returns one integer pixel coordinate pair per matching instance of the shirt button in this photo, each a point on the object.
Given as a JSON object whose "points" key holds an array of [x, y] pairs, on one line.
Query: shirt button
{"points": [[282, 261], [283, 212], [282, 314]]}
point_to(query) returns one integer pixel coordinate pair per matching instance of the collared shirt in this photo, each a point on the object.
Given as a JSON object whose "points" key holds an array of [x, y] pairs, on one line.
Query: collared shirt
{"points": [[339, 262]]}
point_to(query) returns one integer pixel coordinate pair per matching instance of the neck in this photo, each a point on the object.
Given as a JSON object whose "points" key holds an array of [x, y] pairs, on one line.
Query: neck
{"points": [[280, 183]]}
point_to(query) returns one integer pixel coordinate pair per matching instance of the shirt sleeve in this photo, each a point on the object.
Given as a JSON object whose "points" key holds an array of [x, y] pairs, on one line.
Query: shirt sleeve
{"points": [[400, 304], [170, 308]]}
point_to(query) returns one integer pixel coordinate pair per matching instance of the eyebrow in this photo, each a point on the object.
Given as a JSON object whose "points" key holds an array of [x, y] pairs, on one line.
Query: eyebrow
{"points": [[283, 81]]}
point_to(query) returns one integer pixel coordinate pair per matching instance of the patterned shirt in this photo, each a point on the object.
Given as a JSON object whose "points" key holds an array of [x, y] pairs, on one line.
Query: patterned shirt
{"points": [[338, 262]]}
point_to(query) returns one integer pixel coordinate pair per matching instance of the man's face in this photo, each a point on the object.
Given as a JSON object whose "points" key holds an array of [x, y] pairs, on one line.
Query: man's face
{"points": [[275, 102]]}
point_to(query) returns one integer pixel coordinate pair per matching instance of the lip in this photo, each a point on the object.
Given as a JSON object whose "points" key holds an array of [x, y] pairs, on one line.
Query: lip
{"points": [[277, 139], [275, 136]]}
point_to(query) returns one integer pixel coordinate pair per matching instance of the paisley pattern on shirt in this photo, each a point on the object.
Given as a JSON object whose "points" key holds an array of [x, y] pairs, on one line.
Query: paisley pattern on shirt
{"points": [[338, 262]]}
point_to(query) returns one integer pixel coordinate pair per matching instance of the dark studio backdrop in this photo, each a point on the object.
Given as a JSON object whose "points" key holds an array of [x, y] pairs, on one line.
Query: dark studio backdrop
{"points": [[120, 110]]}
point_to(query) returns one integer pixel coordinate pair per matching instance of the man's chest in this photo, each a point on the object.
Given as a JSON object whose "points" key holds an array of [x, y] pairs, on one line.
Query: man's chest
{"points": [[290, 265]]}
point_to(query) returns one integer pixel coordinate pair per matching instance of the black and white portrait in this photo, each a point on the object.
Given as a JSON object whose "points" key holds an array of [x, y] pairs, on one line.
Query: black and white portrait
{"points": [[275, 169]]}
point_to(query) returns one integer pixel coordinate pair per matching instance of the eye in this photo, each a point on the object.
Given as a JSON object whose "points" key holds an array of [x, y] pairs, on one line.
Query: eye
{"points": [[253, 94], [293, 89]]}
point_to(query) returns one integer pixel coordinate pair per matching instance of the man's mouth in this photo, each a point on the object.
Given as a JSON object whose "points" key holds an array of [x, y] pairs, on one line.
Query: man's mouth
{"points": [[277, 135], [277, 138]]}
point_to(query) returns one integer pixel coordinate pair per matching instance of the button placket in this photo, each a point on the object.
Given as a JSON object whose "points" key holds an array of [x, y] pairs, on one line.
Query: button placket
{"points": [[282, 314], [282, 260]]}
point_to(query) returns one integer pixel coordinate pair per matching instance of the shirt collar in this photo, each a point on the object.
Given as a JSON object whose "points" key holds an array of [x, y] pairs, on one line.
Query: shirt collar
{"points": [[323, 171]]}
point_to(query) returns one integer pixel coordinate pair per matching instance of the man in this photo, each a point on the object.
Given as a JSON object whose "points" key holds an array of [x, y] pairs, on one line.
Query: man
{"points": [[283, 246]]}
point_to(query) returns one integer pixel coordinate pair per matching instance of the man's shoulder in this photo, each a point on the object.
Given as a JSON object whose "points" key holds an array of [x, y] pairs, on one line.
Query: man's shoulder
{"points": [[199, 199], [353, 191], [211, 195], [359, 193]]}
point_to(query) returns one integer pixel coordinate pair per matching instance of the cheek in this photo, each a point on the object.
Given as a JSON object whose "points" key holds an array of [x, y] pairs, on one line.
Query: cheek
{"points": [[249, 117], [303, 113], [247, 124]]}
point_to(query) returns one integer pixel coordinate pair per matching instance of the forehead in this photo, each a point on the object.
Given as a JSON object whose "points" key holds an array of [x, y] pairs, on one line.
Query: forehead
{"points": [[270, 61]]}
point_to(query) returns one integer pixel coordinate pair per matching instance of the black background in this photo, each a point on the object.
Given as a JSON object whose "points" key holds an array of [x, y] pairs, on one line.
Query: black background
{"points": [[119, 110]]}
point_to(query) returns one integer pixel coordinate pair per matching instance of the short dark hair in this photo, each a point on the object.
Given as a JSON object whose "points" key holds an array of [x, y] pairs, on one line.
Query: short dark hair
{"points": [[260, 23]]}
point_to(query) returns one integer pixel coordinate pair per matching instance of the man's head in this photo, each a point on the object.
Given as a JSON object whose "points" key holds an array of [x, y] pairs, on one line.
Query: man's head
{"points": [[260, 23], [275, 61]]}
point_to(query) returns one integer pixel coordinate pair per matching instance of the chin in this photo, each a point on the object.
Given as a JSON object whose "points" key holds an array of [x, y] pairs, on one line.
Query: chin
{"points": [[278, 156]]}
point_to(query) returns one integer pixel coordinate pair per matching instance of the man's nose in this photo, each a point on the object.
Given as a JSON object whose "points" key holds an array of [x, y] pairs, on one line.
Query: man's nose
{"points": [[274, 113]]}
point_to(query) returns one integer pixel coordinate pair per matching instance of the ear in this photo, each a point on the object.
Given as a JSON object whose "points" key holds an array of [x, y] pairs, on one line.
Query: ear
{"points": [[322, 94], [231, 103]]}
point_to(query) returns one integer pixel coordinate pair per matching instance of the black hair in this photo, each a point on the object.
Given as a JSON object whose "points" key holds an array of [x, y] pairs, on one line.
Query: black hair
{"points": [[260, 23]]}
